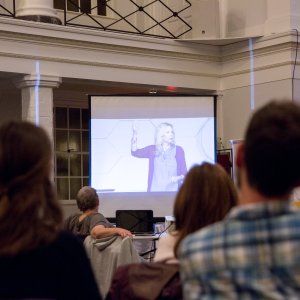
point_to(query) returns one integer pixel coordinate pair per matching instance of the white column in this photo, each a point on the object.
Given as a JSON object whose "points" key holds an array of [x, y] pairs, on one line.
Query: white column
{"points": [[37, 100], [37, 10]]}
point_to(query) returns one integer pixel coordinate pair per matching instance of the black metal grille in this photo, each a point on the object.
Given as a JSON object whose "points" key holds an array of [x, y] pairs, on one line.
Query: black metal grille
{"points": [[136, 18], [168, 21], [8, 10]]}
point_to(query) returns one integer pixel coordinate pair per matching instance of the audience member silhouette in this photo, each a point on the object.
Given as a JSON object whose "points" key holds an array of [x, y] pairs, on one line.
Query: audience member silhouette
{"points": [[254, 252], [90, 221], [37, 259], [205, 197]]}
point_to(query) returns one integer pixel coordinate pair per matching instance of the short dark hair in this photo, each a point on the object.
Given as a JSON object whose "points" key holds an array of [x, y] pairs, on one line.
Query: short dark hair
{"points": [[272, 148], [87, 198]]}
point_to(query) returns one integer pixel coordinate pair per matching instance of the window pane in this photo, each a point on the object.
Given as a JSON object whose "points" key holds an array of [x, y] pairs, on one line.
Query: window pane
{"points": [[59, 4], [85, 118], [74, 118], [75, 186], [74, 141], [62, 185], [61, 140], [85, 165], [61, 117], [75, 164], [85, 141], [62, 164], [71, 6]]}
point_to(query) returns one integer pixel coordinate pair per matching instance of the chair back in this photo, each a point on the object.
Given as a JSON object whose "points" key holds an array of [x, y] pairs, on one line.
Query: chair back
{"points": [[147, 281]]}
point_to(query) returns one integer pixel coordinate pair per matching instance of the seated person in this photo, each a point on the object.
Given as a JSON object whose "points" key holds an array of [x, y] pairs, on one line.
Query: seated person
{"points": [[37, 259], [206, 196], [254, 253], [90, 221]]}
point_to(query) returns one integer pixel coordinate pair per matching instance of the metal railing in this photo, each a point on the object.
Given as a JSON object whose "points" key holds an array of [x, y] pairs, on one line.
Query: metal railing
{"points": [[119, 21], [6, 11], [157, 18]]}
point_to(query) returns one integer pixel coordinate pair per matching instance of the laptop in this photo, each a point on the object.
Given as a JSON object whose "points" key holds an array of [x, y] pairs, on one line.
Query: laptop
{"points": [[139, 222]]}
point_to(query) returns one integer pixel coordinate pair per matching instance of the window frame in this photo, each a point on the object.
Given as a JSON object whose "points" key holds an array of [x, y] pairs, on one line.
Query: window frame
{"points": [[84, 178]]}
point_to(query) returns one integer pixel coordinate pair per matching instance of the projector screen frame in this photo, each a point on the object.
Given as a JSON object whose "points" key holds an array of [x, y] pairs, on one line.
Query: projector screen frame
{"points": [[122, 206]]}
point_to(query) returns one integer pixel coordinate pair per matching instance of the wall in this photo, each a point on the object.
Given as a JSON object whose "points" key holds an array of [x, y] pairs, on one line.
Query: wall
{"points": [[295, 18], [245, 17], [205, 19], [236, 109], [10, 105]]}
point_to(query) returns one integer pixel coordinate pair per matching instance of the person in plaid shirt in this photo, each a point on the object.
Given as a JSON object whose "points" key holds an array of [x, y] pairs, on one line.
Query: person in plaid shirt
{"points": [[255, 252]]}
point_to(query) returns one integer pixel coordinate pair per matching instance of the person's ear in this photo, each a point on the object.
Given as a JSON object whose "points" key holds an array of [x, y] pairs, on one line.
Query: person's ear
{"points": [[240, 156]]}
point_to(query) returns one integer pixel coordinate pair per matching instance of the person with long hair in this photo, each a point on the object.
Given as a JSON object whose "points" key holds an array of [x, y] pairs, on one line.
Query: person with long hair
{"points": [[205, 197], [37, 259], [167, 166]]}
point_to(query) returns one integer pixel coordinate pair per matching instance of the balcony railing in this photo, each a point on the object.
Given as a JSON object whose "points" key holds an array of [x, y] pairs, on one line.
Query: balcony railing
{"points": [[153, 18], [157, 18], [8, 10]]}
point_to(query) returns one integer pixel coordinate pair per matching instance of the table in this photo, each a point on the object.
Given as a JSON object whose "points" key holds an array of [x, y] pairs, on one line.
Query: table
{"points": [[146, 245]]}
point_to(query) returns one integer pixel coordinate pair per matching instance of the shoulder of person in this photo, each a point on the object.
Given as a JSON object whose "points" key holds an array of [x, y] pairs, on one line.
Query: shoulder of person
{"points": [[72, 218], [97, 215], [179, 149], [204, 239], [169, 237]]}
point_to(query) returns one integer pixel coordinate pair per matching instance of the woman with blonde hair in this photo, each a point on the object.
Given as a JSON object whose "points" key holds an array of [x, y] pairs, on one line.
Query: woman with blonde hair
{"points": [[205, 197], [167, 166], [37, 260]]}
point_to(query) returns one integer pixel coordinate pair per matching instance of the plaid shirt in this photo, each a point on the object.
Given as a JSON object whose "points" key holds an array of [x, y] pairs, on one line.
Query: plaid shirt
{"points": [[253, 254]]}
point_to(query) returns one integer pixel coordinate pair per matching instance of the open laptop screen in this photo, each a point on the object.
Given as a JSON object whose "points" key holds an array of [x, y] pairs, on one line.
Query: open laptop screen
{"points": [[136, 221]]}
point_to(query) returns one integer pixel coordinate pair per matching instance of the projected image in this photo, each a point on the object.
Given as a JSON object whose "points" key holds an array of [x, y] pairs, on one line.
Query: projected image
{"points": [[167, 166], [140, 155]]}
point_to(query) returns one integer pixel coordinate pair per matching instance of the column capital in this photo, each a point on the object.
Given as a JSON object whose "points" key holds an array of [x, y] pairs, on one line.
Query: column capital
{"points": [[31, 80], [219, 93], [37, 10]]}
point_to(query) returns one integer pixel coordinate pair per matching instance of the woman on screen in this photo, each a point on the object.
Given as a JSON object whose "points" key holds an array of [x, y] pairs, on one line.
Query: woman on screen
{"points": [[167, 166]]}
